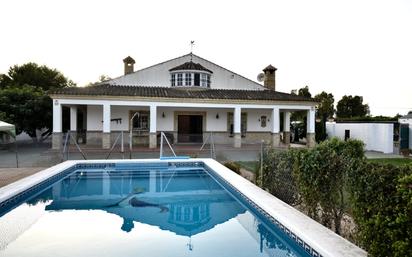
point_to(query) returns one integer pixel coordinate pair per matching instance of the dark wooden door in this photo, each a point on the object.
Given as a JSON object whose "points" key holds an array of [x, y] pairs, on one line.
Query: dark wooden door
{"points": [[190, 129]]}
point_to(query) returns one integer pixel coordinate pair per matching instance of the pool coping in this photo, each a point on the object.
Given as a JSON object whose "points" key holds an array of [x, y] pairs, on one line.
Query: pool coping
{"points": [[321, 239]]}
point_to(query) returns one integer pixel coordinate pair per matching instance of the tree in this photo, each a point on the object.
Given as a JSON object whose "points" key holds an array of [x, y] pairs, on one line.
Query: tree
{"points": [[325, 111], [23, 97], [351, 106], [38, 76]]}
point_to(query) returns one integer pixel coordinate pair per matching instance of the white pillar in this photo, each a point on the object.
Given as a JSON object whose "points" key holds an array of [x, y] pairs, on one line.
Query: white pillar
{"points": [[286, 121], [57, 125], [237, 116], [57, 117], [73, 118], [106, 126], [311, 121], [106, 118], [275, 120], [275, 127], [153, 119], [153, 128], [310, 130], [286, 128]]}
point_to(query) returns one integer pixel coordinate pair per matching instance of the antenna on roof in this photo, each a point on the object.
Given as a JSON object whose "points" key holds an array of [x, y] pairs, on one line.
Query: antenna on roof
{"points": [[192, 43]]}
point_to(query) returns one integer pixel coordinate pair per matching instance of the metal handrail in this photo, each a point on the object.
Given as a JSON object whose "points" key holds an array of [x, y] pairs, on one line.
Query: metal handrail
{"points": [[66, 148], [211, 141], [163, 136]]}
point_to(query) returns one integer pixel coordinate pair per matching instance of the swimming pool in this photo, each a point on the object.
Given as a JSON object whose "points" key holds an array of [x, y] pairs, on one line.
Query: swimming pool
{"points": [[148, 208]]}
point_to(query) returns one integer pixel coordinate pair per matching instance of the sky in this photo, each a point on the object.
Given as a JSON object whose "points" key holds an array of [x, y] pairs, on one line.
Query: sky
{"points": [[345, 47]]}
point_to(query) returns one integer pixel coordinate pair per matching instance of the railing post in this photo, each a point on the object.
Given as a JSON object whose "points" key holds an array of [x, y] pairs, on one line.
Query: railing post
{"points": [[161, 145]]}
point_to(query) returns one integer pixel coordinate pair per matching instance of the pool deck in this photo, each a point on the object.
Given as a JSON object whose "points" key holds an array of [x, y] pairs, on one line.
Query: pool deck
{"points": [[10, 175]]}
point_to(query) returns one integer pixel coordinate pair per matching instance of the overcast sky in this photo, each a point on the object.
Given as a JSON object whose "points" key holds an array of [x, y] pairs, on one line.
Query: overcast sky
{"points": [[358, 47]]}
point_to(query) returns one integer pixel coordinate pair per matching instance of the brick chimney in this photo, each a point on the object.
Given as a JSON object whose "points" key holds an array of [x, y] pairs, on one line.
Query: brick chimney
{"points": [[128, 65], [270, 77]]}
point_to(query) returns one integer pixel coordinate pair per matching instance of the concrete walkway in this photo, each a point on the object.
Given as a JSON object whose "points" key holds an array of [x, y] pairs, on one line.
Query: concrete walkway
{"points": [[10, 175]]}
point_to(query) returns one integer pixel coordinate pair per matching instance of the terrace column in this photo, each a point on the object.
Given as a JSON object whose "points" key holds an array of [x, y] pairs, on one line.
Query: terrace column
{"points": [[57, 125], [310, 130], [236, 127], [153, 128], [106, 126], [73, 118], [286, 128], [275, 127]]}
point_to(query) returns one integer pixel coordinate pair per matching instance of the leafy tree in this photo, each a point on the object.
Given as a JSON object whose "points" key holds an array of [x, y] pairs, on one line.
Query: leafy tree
{"points": [[351, 106], [23, 97], [38, 76], [325, 111]]}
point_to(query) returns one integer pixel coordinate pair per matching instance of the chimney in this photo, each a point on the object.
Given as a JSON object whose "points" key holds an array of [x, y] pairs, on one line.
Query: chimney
{"points": [[270, 77], [128, 65]]}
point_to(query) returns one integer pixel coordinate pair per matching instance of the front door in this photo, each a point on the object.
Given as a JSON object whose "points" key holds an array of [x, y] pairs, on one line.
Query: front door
{"points": [[190, 129]]}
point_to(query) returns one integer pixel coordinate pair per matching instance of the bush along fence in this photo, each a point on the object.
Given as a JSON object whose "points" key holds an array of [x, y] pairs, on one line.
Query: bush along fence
{"points": [[333, 180]]}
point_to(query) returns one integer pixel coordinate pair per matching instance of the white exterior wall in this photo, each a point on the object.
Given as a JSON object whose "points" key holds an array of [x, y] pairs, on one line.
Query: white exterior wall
{"points": [[94, 118], [408, 121], [376, 136], [217, 125], [253, 123], [159, 75], [166, 123], [120, 112]]}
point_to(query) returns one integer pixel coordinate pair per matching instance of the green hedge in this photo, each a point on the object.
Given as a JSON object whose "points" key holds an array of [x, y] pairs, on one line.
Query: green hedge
{"points": [[334, 178], [382, 208]]}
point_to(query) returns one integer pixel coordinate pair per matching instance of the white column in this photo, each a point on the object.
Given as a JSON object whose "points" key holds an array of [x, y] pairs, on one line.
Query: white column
{"points": [[275, 120], [57, 117], [106, 118], [286, 121], [236, 120], [153, 118], [73, 118], [311, 121]]}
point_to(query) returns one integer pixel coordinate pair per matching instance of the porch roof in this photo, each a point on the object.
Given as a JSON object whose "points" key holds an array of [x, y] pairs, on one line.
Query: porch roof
{"points": [[168, 92]]}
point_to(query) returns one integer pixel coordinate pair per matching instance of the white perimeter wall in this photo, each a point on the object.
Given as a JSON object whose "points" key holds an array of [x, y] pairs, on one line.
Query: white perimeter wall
{"points": [[408, 121], [376, 136]]}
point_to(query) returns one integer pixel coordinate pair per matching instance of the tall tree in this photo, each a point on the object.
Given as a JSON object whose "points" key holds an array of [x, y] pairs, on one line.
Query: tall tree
{"points": [[325, 111], [351, 106], [24, 100], [325, 107]]}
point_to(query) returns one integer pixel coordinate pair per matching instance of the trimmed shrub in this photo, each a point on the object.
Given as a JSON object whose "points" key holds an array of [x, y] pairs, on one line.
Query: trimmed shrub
{"points": [[381, 196], [321, 174], [277, 175]]}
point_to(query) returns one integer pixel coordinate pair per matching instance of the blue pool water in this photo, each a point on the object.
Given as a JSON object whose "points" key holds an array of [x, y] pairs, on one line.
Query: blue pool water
{"points": [[138, 211]]}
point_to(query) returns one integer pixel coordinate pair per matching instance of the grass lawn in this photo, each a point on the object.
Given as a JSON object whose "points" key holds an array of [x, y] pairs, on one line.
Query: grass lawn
{"points": [[249, 165], [394, 161]]}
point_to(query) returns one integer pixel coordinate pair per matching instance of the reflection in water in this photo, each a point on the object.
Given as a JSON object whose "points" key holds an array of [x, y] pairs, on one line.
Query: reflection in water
{"points": [[188, 203], [185, 203]]}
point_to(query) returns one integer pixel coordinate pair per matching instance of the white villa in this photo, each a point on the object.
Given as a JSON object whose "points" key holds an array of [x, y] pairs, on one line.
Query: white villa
{"points": [[186, 97]]}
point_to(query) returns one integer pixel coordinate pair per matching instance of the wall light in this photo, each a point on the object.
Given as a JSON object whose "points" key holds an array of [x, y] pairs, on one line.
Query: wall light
{"points": [[163, 114], [217, 116]]}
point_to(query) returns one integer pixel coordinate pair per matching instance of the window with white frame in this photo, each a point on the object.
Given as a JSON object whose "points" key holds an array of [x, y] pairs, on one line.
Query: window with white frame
{"points": [[188, 79], [179, 79], [203, 80], [141, 121]]}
